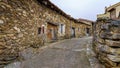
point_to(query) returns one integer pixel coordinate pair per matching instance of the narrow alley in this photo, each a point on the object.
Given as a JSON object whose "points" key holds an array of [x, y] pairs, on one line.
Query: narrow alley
{"points": [[59, 34], [70, 53]]}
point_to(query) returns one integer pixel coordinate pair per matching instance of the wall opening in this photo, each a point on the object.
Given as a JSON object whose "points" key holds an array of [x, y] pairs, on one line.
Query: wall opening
{"points": [[39, 30]]}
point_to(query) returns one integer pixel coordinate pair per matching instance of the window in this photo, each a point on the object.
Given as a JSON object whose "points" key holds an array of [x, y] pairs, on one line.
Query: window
{"points": [[61, 29], [39, 30], [43, 31]]}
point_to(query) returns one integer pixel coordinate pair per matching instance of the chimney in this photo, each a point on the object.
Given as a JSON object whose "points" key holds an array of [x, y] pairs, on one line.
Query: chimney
{"points": [[105, 9]]}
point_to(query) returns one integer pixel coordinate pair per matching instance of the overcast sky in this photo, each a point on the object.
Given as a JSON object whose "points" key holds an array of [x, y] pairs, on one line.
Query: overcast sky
{"points": [[87, 9]]}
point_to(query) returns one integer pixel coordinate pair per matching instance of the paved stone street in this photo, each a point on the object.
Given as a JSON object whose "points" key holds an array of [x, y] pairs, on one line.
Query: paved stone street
{"points": [[70, 53]]}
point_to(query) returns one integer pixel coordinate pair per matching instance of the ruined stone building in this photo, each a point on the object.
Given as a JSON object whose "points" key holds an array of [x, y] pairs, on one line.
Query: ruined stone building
{"points": [[107, 37], [25, 23]]}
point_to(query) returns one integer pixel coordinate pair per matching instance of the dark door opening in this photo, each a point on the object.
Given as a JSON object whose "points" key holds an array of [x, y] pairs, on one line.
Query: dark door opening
{"points": [[87, 31], [72, 32]]}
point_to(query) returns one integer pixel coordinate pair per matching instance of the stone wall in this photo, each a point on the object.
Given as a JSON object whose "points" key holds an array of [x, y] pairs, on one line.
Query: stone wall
{"points": [[107, 42], [19, 23], [81, 29]]}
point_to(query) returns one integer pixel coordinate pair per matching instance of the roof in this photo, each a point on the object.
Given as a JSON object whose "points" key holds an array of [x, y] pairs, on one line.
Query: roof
{"points": [[50, 5], [81, 19], [113, 6], [86, 20]]}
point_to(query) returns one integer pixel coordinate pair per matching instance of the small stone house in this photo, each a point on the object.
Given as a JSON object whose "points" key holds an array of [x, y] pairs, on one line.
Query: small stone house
{"points": [[26, 23], [88, 27]]}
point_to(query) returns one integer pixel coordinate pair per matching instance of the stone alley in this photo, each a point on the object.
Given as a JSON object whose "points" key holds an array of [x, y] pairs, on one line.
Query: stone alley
{"points": [[39, 34], [70, 53]]}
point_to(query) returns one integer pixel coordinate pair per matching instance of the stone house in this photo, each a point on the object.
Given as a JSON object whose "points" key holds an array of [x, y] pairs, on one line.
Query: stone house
{"points": [[88, 28], [30, 23], [111, 12], [107, 37]]}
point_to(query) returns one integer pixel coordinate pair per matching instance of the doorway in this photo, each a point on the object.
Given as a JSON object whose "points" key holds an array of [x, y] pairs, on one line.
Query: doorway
{"points": [[52, 31], [87, 31], [72, 32]]}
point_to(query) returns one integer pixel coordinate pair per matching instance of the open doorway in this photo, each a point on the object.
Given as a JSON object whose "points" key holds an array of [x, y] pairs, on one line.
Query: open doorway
{"points": [[72, 32], [87, 31]]}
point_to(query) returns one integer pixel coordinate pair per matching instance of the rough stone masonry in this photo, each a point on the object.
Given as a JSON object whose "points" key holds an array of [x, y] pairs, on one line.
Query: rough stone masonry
{"points": [[19, 23], [107, 42]]}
